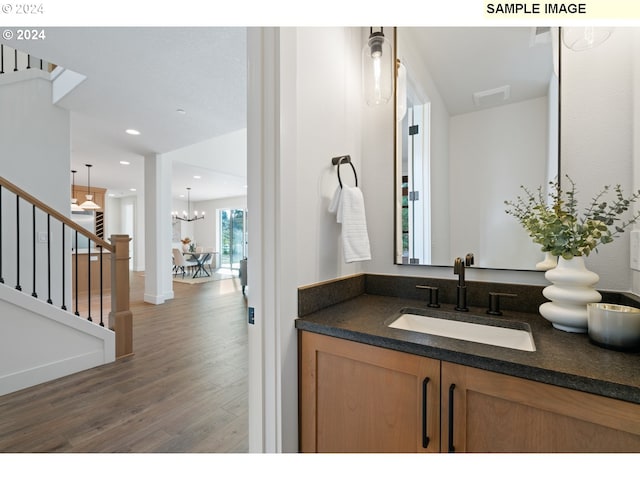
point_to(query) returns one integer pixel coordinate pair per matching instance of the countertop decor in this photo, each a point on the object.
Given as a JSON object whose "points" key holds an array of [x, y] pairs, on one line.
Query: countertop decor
{"points": [[555, 221]]}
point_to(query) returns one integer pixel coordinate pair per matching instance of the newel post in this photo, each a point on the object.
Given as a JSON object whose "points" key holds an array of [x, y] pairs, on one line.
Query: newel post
{"points": [[120, 317]]}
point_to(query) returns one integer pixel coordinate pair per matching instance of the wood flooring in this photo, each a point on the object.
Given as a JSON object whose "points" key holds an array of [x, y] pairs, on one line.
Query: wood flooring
{"points": [[184, 390]]}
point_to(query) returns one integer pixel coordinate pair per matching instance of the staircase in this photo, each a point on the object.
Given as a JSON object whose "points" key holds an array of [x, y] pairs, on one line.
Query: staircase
{"points": [[12, 60], [48, 329], [16, 66]]}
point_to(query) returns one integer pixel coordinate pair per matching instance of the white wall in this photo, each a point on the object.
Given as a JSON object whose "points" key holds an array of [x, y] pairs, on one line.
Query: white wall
{"points": [[597, 136], [635, 61], [328, 124], [35, 156], [59, 343], [225, 153], [492, 153]]}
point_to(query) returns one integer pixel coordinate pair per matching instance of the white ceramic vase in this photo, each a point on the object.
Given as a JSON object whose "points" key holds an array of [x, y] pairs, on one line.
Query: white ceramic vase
{"points": [[570, 293], [550, 261]]}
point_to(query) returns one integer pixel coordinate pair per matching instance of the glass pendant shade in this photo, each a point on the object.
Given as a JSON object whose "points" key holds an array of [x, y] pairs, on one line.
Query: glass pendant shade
{"points": [[89, 204], [377, 69], [584, 38]]}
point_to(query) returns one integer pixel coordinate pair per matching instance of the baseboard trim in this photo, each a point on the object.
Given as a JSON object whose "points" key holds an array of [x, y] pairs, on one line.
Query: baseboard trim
{"points": [[43, 373]]}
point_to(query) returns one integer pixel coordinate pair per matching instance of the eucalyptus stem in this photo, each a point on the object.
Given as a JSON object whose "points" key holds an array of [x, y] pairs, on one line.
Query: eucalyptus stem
{"points": [[554, 222]]}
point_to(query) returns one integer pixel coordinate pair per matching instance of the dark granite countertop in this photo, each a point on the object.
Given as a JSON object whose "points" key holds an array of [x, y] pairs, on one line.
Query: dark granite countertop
{"points": [[561, 358]]}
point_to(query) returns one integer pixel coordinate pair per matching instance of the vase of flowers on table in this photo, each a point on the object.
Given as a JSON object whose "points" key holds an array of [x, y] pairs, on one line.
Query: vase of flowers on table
{"points": [[186, 241], [555, 223]]}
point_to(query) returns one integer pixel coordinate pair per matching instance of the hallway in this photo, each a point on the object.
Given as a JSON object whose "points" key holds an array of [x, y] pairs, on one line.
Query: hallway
{"points": [[184, 389]]}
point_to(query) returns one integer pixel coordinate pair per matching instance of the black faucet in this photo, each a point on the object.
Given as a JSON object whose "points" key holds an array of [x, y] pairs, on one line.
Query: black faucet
{"points": [[461, 293]]}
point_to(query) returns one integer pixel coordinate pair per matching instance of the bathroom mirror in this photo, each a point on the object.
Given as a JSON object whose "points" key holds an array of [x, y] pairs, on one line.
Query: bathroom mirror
{"points": [[477, 115]]}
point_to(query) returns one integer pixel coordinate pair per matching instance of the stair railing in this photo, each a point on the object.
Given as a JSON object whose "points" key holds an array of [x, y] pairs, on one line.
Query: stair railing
{"points": [[9, 56], [45, 266]]}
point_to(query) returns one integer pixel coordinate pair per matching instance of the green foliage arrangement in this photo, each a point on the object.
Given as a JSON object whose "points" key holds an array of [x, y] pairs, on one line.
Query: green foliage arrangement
{"points": [[554, 222]]}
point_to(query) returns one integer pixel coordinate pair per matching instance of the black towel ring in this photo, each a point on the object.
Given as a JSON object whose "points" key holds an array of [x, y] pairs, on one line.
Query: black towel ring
{"points": [[339, 161]]}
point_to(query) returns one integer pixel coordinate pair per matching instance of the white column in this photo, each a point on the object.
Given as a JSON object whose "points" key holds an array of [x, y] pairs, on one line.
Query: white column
{"points": [[158, 286]]}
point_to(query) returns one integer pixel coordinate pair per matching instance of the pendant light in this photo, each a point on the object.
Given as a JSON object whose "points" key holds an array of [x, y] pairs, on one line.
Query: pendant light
{"points": [[185, 214], [89, 204], [74, 201], [377, 69], [585, 38]]}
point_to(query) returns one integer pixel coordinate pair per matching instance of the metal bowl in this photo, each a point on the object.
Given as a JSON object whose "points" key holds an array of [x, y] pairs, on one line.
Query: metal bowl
{"points": [[614, 326]]}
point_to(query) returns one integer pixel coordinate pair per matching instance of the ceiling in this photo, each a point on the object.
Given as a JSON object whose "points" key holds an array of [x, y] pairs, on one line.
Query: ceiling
{"points": [[178, 86], [467, 60]]}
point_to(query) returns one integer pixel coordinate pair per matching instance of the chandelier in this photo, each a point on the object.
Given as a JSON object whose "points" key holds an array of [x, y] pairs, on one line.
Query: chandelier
{"points": [[185, 213]]}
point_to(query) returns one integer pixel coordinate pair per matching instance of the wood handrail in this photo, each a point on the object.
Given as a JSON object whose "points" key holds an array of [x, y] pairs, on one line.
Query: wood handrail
{"points": [[55, 214]]}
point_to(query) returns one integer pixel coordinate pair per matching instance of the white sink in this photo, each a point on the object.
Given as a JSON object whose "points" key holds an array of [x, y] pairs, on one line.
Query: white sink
{"points": [[473, 332]]}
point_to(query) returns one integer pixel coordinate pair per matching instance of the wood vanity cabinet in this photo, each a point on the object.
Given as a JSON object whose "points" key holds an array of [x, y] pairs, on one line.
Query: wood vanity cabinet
{"points": [[493, 412], [360, 398]]}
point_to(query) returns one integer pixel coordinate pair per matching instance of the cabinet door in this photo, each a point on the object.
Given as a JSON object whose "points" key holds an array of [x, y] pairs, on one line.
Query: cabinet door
{"points": [[489, 412], [360, 398]]}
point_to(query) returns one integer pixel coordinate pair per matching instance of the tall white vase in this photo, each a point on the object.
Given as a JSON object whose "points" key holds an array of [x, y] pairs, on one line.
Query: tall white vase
{"points": [[570, 293]]}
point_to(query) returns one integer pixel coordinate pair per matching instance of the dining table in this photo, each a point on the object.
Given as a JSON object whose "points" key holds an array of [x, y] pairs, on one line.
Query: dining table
{"points": [[200, 258]]}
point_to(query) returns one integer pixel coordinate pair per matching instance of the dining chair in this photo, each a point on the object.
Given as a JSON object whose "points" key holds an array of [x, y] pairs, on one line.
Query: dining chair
{"points": [[208, 262], [180, 262]]}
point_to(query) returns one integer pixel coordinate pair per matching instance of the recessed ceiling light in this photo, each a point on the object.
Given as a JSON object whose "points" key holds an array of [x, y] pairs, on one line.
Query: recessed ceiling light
{"points": [[181, 111], [132, 189], [124, 162], [197, 177], [131, 131]]}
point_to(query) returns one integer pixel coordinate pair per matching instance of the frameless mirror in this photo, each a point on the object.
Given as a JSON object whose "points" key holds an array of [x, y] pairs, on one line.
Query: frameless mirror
{"points": [[477, 116]]}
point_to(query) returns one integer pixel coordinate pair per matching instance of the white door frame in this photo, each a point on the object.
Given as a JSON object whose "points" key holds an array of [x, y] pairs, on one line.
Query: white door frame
{"points": [[262, 147], [272, 266]]}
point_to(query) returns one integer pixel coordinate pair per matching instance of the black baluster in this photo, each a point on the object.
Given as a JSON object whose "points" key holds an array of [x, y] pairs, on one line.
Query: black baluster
{"points": [[28, 61], [15, 60], [49, 259], [77, 279], [88, 280], [101, 291], [18, 287], [1, 276], [41, 65], [63, 306], [1, 59], [33, 223]]}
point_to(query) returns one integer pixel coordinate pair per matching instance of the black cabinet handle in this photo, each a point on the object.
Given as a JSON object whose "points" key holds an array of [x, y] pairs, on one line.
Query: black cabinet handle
{"points": [[451, 389], [425, 437]]}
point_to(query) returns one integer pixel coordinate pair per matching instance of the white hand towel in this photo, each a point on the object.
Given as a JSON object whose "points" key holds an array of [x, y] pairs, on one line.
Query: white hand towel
{"points": [[355, 239], [333, 206]]}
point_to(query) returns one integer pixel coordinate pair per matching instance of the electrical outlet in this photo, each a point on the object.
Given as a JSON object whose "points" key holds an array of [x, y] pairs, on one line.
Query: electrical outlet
{"points": [[43, 237], [635, 249]]}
